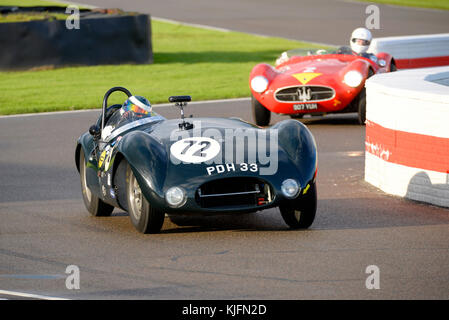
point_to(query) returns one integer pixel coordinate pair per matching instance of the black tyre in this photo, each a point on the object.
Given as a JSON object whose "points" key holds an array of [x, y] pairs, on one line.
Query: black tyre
{"points": [[94, 205], [144, 217], [361, 106], [297, 116], [393, 67], [303, 215], [361, 102], [261, 115]]}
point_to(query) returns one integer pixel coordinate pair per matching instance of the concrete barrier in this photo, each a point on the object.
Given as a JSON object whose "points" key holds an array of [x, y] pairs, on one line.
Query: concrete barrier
{"points": [[407, 134], [415, 51]]}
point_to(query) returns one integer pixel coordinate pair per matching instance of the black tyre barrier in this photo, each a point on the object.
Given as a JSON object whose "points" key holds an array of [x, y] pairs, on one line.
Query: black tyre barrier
{"points": [[102, 38]]}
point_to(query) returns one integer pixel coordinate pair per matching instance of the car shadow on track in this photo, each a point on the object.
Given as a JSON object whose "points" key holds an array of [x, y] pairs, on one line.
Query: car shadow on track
{"points": [[332, 214], [267, 220], [332, 119]]}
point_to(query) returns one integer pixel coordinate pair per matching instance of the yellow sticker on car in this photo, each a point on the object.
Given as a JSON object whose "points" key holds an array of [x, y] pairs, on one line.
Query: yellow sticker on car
{"points": [[306, 189], [306, 76], [102, 156]]}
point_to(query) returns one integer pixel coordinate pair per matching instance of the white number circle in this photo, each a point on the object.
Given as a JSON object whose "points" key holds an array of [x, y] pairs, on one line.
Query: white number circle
{"points": [[195, 150]]}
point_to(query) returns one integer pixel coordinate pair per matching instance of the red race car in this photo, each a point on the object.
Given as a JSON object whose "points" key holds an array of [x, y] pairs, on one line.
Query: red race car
{"points": [[314, 82]]}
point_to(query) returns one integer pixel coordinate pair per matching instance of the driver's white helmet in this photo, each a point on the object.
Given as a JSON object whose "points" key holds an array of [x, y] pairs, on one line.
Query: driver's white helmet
{"points": [[360, 40]]}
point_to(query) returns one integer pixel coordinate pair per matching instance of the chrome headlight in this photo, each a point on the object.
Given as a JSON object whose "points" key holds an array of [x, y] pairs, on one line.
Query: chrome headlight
{"points": [[290, 188], [353, 78], [259, 84], [175, 197]]}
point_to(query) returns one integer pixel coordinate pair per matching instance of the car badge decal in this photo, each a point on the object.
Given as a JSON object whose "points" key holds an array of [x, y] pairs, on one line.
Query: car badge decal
{"points": [[304, 94], [306, 76]]}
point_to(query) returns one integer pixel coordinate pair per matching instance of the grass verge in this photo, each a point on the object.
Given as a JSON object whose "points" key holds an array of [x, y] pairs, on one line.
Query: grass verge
{"points": [[431, 4], [21, 17], [205, 64], [30, 3]]}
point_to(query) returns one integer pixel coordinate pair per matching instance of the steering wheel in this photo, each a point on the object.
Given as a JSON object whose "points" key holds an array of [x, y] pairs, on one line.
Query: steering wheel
{"points": [[105, 101]]}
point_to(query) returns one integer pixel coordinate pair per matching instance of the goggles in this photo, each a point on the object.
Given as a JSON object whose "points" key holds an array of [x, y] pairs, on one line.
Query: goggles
{"points": [[129, 106], [361, 41]]}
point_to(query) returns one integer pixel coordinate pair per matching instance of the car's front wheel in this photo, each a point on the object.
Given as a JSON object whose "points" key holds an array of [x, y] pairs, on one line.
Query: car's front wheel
{"points": [[393, 67], [361, 106], [361, 102], [94, 205], [261, 114], [301, 215], [144, 217]]}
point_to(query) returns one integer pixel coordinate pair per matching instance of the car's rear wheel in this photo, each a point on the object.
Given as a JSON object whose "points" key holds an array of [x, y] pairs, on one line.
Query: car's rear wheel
{"points": [[261, 114], [301, 215], [144, 217], [94, 205]]}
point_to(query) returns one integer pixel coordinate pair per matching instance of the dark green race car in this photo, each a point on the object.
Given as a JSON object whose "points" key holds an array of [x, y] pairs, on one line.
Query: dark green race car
{"points": [[136, 160]]}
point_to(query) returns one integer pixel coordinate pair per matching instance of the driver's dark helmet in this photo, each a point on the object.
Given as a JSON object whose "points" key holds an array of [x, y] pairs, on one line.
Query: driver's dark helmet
{"points": [[138, 105]]}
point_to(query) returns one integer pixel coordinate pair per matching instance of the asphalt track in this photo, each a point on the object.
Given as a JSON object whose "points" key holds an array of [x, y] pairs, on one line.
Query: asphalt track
{"points": [[45, 228], [322, 21]]}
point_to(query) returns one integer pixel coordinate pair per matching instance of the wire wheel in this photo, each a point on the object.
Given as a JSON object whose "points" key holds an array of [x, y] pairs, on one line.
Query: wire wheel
{"points": [[135, 198], [94, 204], [144, 217]]}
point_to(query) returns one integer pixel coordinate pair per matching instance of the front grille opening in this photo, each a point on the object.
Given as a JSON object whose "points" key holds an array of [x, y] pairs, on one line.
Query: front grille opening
{"points": [[305, 94], [234, 193]]}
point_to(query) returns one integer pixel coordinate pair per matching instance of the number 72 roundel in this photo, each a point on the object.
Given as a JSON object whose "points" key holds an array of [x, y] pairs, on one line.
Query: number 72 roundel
{"points": [[195, 149]]}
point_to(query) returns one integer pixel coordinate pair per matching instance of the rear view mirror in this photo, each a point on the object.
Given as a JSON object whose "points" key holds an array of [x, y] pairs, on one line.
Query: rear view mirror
{"points": [[95, 131], [175, 99], [181, 102]]}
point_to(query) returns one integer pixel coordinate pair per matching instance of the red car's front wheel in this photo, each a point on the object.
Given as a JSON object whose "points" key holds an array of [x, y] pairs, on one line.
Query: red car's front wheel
{"points": [[361, 106], [261, 114]]}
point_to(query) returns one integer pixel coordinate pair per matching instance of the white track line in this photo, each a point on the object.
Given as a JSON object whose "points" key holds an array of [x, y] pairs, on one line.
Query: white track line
{"points": [[87, 6], [202, 26], [29, 295], [204, 102], [162, 105]]}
